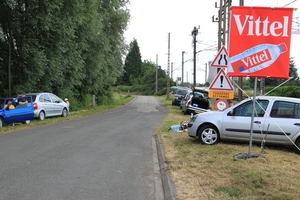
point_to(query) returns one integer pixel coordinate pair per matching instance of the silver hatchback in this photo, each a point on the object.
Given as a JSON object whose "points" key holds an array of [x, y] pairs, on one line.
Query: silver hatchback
{"points": [[275, 120], [48, 105]]}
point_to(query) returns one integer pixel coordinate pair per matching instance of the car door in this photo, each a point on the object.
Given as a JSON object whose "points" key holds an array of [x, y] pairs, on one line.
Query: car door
{"points": [[236, 123], [283, 122], [56, 104], [46, 103], [20, 113]]}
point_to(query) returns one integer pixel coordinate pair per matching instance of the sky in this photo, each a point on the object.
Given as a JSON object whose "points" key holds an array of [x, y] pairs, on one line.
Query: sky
{"points": [[153, 20]]}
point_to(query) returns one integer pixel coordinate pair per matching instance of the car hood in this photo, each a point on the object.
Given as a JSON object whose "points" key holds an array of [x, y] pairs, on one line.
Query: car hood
{"points": [[210, 114]]}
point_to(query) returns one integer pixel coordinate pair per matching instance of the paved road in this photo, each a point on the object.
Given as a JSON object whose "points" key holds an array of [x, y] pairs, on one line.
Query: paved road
{"points": [[104, 156]]}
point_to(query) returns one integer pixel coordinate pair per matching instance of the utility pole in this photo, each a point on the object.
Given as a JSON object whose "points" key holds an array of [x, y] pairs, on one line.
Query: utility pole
{"points": [[168, 81], [156, 76], [240, 79], [194, 34], [182, 72], [172, 71]]}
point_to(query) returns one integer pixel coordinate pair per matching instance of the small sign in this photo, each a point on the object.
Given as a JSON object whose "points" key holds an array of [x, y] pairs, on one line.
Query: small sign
{"points": [[221, 94], [221, 59], [221, 104], [221, 82]]}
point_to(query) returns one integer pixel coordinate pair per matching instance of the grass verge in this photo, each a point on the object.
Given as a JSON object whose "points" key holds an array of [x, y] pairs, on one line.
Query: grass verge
{"points": [[201, 171]]}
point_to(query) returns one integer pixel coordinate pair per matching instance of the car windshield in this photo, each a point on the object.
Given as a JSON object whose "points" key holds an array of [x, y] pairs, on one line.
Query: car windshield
{"points": [[198, 94], [181, 92]]}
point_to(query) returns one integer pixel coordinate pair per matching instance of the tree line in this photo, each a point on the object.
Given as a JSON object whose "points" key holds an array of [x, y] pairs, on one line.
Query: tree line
{"points": [[73, 48]]}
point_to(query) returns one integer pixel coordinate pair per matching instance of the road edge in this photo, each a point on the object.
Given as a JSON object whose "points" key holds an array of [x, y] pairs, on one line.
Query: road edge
{"points": [[168, 188]]}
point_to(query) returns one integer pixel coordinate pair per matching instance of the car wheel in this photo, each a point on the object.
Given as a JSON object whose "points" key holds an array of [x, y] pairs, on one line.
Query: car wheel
{"points": [[64, 113], [1, 122], [208, 134], [42, 115]]}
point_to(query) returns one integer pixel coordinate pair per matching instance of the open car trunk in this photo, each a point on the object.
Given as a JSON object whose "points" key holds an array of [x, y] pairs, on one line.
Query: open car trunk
{"points": [[200, 102]]}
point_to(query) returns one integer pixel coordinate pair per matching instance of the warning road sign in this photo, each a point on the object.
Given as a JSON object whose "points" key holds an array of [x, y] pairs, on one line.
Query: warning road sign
{"points": [[221, 59], [221, 82]]}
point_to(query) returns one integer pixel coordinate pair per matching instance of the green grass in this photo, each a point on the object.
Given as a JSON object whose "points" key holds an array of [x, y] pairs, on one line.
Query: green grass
{"points": [[201, 171]]}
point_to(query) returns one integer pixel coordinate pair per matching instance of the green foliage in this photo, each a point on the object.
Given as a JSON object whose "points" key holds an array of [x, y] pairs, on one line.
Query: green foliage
{"points": [[133, 65], [73, 48], [286, 91]]}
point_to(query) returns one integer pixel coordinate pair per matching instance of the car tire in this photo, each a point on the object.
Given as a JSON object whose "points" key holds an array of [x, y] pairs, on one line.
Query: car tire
{"points": [[208, 134], [64, 113], [42, 115], [1, 122]]}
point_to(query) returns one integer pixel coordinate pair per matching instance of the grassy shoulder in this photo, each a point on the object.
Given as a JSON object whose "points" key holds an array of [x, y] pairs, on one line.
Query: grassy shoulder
{"points": [[119, 100], [201, 171]]}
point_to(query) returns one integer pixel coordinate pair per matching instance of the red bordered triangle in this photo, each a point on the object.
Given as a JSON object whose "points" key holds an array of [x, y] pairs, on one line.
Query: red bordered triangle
{"points": [[221, 82], [221, 59]]}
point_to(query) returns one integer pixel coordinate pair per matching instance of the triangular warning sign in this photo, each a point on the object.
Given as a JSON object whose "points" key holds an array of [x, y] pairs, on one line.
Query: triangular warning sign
{"points": [[221, 59], [221, 82]]}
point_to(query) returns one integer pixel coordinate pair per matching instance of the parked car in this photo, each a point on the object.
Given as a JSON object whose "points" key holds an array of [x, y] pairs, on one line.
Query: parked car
{"points": [[185, 99], [12, 113], [179, 95], [276, 121], [196, 102], [48, 105]]}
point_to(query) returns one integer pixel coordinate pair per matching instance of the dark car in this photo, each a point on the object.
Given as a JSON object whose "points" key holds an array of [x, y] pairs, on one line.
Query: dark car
{"points": [[196, 101], [179, 95], [13, 112]]}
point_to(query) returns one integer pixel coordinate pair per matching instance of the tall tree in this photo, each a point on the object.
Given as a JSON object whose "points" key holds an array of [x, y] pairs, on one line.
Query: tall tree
{"points": [[133, 64], [69, 47]]}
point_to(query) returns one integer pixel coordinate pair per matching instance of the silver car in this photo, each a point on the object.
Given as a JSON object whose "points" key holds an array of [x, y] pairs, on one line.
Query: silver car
{"points": [[196, 101], [276, 120], [48, 105]]}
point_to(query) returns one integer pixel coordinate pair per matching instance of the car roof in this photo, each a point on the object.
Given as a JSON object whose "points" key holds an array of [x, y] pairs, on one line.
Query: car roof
{"points": [[36, 93], [274, 98], [201, 89]]}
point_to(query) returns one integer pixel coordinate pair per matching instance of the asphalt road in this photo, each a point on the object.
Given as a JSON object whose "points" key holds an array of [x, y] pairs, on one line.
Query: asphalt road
{"points": [[104, 156]]}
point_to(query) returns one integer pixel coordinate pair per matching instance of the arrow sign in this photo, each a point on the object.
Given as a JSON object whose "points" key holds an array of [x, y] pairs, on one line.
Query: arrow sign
{"points": [[221, 59], [221, 82]]}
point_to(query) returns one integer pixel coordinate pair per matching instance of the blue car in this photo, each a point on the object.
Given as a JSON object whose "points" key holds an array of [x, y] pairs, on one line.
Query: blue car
{"points": [[11, 112]]}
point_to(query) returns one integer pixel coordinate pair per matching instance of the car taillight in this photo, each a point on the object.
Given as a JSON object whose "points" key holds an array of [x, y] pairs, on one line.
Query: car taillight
{"points": [[190, 102], [35, 105]]}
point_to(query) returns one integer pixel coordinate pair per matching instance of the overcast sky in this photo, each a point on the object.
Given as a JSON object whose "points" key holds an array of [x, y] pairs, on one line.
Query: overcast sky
{"points": [[152, 20]]}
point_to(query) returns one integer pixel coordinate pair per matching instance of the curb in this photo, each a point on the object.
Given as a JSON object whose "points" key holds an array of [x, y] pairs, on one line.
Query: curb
{"points": [[168, 188]]}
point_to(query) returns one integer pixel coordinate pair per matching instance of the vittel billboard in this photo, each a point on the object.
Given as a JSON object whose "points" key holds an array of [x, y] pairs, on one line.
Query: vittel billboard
{"points": [[259, 42]]}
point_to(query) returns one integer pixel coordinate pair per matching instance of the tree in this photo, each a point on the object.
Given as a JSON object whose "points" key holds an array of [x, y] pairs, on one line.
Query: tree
{"points": [[133, 65], [68, 47]]}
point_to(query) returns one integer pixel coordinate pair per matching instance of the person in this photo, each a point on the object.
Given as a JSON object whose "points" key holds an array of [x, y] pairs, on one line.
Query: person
{"points": [[9, 104], [22, 99], [10, 107], [68, 104]]}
